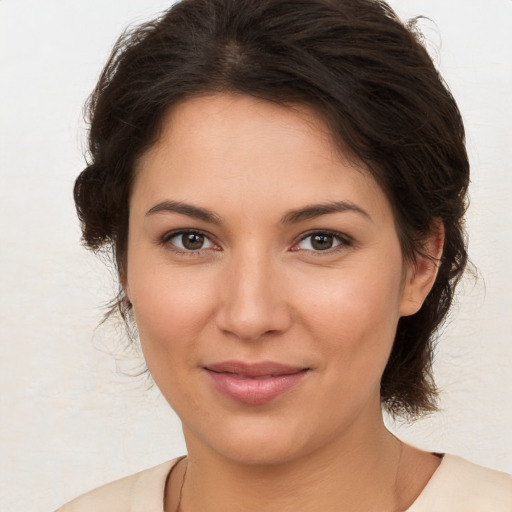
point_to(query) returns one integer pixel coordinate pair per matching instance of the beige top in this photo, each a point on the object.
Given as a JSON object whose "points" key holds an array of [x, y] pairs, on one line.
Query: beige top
{"points": [[456, 486]]}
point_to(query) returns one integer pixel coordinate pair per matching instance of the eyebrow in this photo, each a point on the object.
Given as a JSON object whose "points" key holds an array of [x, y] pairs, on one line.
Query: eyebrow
{"points": [[291, 217], [185, 209], [317, 210]]}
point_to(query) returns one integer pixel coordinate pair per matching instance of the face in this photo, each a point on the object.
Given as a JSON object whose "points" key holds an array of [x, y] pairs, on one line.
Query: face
{"points": [[266, 279]]}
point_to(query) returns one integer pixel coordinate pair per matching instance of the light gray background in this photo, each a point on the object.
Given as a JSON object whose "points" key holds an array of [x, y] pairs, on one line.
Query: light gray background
{"points": [[69, 420]]}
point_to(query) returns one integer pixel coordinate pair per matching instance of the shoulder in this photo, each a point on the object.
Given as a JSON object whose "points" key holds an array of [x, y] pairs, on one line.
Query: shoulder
{"points": [[142, 491], [460, 485]]}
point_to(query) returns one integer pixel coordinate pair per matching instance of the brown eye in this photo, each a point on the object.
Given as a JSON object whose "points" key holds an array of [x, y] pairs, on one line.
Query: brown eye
{"points": [[192, 241], [322, 242], [189, 241]]}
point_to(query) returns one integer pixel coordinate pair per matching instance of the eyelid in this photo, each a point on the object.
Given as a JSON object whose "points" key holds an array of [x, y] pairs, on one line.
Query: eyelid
{"points": [[165, 240], [345, 241]]}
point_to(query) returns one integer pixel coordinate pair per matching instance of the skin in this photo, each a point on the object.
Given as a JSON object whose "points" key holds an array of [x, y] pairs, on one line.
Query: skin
{"points": [[258, 289]]}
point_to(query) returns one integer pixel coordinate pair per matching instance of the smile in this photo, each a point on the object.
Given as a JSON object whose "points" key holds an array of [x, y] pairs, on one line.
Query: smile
{"points": [[254, 384]]}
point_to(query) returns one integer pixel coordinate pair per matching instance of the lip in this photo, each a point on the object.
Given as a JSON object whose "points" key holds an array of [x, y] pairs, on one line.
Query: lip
{"points": [[254, 383]]}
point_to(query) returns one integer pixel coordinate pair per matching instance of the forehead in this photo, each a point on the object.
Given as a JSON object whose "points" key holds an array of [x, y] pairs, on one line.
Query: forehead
{"points": [[237, 151]]}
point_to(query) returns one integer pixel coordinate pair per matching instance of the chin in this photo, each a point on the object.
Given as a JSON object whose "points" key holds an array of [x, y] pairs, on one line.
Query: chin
{"points": [[263, 441]]}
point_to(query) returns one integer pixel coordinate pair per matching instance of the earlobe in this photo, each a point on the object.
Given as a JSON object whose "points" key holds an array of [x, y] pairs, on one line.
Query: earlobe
{"points": [[422, 272]]}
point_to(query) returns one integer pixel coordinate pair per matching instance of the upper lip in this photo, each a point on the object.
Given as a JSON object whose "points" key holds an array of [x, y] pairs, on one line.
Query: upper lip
{"points": [[257, 369]]}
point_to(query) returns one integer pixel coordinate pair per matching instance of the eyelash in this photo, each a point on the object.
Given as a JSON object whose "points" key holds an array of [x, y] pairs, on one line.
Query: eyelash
{"points": [[166, 241], [343, 240]]}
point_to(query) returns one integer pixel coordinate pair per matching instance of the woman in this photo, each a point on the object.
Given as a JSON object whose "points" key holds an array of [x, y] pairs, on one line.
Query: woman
{"points": [[283, 185]]}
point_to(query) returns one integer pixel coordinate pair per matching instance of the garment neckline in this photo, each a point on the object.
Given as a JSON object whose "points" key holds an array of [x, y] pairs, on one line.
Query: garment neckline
{"points": [[431, 482]]}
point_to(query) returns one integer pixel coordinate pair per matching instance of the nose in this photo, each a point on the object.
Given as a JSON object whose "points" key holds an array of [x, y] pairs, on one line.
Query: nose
{"points": [[253, 301]]}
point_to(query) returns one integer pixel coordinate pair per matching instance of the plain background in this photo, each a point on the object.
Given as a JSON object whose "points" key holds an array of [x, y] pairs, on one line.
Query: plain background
{"points": [[70, 420]]}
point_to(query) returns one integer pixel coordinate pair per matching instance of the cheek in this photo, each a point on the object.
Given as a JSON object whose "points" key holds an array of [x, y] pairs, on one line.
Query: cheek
{"points": [[170, 309], [171, 312], [351, 301], [353, 314]]}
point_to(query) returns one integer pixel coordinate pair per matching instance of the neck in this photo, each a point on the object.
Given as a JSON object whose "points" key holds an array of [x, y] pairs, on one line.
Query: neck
{"points": [[336, 477]]}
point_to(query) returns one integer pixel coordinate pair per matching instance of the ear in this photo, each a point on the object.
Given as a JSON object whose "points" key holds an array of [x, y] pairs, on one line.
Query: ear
{"points": [[123, 280], [422, 272]]}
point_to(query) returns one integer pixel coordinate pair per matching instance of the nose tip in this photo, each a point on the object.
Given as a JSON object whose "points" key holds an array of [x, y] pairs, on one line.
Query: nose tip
{"points": [[253, 305], [249, 329]]}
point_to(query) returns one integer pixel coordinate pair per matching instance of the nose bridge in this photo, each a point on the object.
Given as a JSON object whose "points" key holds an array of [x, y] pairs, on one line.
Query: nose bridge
{"points": [[253, 300]]}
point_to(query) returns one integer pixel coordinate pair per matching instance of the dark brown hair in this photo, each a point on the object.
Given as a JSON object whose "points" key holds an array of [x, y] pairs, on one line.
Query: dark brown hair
{"points": [[355, 64]]}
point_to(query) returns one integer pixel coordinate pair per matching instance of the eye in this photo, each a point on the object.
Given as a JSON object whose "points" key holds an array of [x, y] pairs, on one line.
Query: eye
{"points": [[189, 241], [321, 241]]}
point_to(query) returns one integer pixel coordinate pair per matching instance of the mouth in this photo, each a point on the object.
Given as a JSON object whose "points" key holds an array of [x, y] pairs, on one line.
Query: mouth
{"points": [[254, 383]]}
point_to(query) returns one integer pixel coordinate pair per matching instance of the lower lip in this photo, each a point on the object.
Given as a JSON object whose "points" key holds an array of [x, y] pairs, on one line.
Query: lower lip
{"points": [[254, 391]]}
